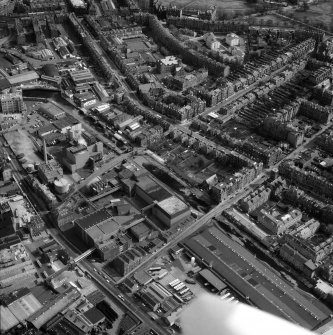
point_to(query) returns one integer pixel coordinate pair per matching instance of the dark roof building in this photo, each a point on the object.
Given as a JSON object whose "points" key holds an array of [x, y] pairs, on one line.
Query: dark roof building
{"points": [[94, 316], [149, 190], [93, 218], [50, 70], [212, 279], [254, 280]]}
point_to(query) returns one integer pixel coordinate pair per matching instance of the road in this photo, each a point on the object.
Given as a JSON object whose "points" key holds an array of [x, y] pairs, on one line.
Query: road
{"points": [[106, 287], [92, 130], [128, 304], [198, 224], [302, 147], [106, 167]]}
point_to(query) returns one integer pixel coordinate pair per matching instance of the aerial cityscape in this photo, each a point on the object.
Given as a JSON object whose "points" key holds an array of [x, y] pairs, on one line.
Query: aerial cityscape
{"points": [[155, 150]]}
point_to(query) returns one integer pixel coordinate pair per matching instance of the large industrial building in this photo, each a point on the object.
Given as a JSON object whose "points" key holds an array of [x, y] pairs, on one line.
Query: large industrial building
{"points": [[82, 77], [171, 211], [149, 191], [96, 227], [100, 230], [255, 281], [49, 171], [52, 110], [77, 156], [22, 304]]}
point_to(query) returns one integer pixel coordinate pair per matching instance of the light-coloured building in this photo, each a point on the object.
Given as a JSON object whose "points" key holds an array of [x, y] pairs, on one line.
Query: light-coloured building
{"points": [[211, 42], [12, 102], [278, 223], [171, 211], [76, 157], [232, 39]]}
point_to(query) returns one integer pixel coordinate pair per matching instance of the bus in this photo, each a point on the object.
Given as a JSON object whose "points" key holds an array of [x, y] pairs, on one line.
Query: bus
{"points": [[163, 274], [184, 291], [174, 283], [225, 296], [179, 287], [155, 268], [188, 294], [178, 298]]}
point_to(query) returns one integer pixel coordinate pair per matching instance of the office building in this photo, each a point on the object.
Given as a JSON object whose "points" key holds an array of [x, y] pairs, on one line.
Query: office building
{"points": [[277, 223], [12, 102]]}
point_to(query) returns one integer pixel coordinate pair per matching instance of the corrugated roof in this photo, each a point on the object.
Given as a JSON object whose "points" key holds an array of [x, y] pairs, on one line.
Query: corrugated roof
{"points": [[255, 280]]}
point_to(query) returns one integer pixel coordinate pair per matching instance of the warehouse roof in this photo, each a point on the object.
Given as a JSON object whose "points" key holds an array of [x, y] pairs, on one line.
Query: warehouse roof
{"points": [[94, 316], [64, 122], [152, 188], [140, 229], [109, 227], [93, 219], [25, 306], [255, 280], [7, 319], [47, 312], [23, 77], [172, 205], [46, 129], [51, 109], [13, 296], [142, 277], [212, 279]]}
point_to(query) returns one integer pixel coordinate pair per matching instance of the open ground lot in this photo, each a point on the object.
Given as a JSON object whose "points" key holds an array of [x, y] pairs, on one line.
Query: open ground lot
{"points": [[320, 13], [229, 5], [20, 142]]}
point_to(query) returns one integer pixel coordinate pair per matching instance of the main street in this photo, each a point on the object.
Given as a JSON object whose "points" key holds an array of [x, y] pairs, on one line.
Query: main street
{"points": [[102, 281], [198, 224], [128, 304]]}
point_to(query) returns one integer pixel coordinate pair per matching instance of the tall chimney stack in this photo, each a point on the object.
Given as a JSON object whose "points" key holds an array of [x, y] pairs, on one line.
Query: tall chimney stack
{"points": [[44, 151]]}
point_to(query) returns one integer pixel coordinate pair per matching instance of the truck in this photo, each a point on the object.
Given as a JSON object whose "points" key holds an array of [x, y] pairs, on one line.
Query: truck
{"points": [[163, 274]]}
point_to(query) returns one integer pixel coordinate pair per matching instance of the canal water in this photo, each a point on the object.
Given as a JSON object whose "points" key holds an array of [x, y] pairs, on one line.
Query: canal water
{"points": [[52, 95]]}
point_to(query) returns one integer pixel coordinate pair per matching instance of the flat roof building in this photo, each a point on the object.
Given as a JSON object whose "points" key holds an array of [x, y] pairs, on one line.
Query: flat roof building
{"points": [[49, 171], [82, 76], [7, 319], [213, 280], [12, 102], [149, 190], [53, 307], [171, 211], [97, 227], [52, 111], [24, 307], [253, 279], [22, 78], [94, 316]]}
